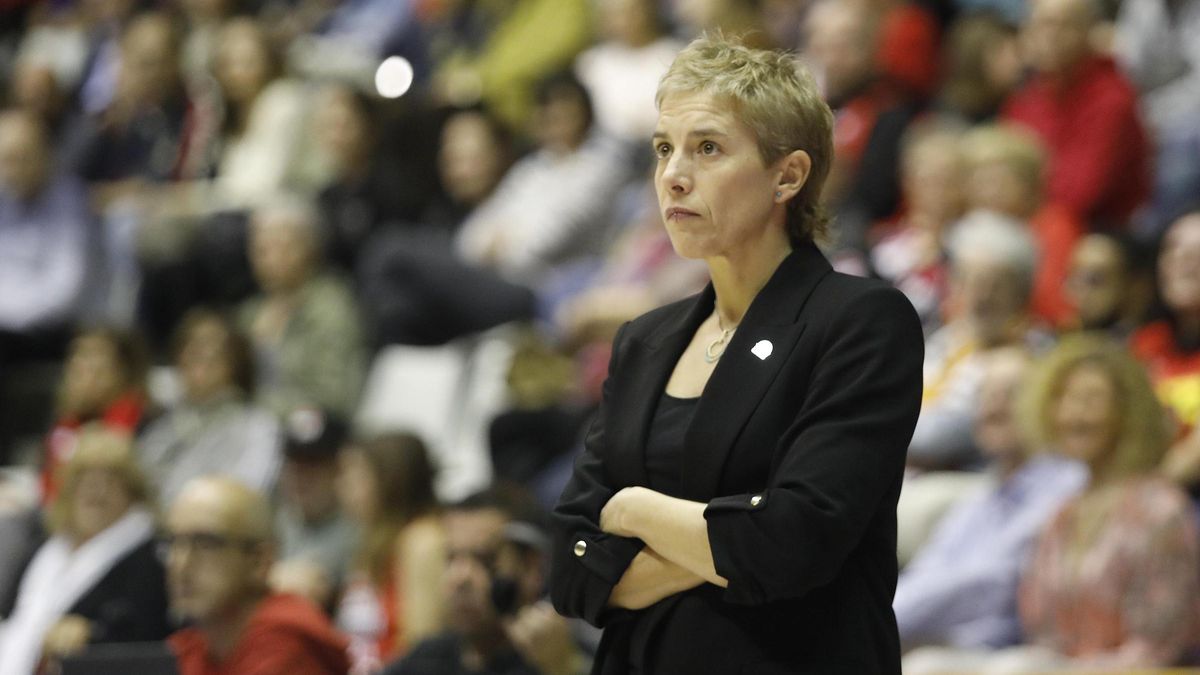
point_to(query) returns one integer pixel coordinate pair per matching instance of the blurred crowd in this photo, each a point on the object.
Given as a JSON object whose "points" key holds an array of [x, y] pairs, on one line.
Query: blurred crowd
{"points": [[305, 306]]}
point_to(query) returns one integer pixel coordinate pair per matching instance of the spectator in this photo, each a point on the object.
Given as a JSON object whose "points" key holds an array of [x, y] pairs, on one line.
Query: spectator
{"points": [[474, 154], [316, 536], [982, 67], [219, 556], [391, 600], [103, 385], [1006, 174], [305, 324], [910, 250], [45, 231], [1086, 113], [1109, 284], [1170, 348], [98, 578], [960, 591], [214, 428], [495, 577]]}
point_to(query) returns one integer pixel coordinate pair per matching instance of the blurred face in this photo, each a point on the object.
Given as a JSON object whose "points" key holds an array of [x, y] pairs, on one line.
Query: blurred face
{"points": [[92, 375], [213, 568], [561, 124], [996, 431], [204, 362], [149, 63], [282, 251], [1002, 64], [995, 186], [23, 153], [473, 540], [357, 488], [311, 487], [629, 22], [1086, 415], [932, 182], [836, 35], [100, 499], [989, 295], [1056, 36], [341, 130], [1179, 266], [714, 192], [242, 63], [1096, 281], [470, 159]]}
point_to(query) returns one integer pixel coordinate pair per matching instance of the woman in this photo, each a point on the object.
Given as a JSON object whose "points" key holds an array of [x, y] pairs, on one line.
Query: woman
{"points": [[734, 509], [392, 597], [1113, 582], [98, 578], [213, 429]]}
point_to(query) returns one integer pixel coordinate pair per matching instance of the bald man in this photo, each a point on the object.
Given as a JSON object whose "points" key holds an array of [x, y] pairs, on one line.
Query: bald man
{"points": [[219, 557], [1086, 112]]}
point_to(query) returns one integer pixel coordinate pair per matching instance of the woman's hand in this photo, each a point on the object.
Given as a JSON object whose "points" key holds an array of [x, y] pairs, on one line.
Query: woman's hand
{"points": [[618, 514], [67, 637]]}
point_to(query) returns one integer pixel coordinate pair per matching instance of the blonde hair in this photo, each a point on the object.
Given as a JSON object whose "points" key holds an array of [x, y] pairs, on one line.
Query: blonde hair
{"points": [[1142, 434], [1012, 146], [97, 448], [777, 99]]}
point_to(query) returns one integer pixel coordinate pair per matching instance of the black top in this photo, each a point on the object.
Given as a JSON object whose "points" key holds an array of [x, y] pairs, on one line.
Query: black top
{"points": [[442, 655], [664, 447]]}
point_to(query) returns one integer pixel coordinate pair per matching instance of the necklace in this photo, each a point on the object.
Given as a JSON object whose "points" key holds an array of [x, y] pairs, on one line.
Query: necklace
{"points": [[711, 352]]}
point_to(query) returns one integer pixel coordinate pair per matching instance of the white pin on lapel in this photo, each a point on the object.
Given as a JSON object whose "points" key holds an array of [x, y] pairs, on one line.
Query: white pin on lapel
{"points": [[762, 349]]}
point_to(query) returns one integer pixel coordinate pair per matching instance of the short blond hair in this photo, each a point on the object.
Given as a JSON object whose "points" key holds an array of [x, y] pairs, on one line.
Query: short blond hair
{"points": [[776, 97], [96, 448], [1142, 436], [1011, 146]]}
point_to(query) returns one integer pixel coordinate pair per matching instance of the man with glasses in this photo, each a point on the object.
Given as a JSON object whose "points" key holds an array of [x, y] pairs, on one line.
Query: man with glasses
{"points": [[219, 552]]}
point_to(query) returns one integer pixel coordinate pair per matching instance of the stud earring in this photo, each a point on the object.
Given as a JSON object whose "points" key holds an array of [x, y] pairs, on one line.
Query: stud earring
{"points": [[778, 195]]}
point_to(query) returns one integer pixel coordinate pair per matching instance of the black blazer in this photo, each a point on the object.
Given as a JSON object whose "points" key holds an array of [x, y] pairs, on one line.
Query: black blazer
{"points": [[799, 457]]}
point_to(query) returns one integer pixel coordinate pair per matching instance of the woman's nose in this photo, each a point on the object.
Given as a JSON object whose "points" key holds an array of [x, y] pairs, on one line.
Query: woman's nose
{"points": [[676, 174]]}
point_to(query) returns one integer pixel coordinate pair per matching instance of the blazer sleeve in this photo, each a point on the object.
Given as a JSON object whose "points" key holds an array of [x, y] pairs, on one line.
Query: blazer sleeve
{"points": [[845, 453], [585, 562]]}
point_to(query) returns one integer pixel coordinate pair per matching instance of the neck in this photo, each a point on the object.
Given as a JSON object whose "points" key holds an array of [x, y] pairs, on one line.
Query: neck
{"points": [[224, 633], [737, 280]]}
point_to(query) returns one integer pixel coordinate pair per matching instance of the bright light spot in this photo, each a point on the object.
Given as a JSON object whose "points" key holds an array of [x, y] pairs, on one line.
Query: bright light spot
{"points": [[394, 77]]}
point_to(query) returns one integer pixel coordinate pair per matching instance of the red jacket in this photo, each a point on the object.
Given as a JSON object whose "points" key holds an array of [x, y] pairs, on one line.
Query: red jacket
{"points": [[1099, 153], [286, 635]]}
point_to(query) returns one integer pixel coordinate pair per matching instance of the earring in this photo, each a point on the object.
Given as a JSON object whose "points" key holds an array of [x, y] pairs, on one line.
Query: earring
{"points": [[778, 195]]}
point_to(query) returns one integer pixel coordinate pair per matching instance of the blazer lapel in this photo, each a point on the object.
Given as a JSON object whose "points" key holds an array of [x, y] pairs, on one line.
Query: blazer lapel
{"points": [[646, 365], [742, 377]]}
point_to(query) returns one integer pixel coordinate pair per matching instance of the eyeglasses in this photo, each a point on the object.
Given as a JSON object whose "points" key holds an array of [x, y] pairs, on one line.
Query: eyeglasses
{"points": [[203, 543]]}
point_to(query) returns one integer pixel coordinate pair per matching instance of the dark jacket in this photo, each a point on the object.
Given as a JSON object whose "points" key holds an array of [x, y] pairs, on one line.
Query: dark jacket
{"points": [[130, 603], [799, 457]]}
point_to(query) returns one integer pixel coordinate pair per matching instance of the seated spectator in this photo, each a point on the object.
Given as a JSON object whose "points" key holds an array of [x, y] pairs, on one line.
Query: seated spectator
{"points": [[1086, 113], [1109, 284], [961, 588], [474, 153], [982, 67], [213, 428], [391, 599], [1006, 174], [1170, 348], [551, 209], [98, 578], [46, 228], [621, 72], [103, 385], [909, 253], [992, 262], [316, 537], [494, 581], [219, 555], [305, 325]]}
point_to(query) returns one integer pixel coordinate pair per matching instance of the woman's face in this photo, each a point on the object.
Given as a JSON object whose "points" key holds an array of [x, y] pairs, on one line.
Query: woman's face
{"points": [[715, 194], [100, 499], [204, 362], [282, 251], [1085, 417], [933, 183], [996, 431], [341, 130], [1179, 266], [996, 186], [470, 160], [1096, 281], [357, 488], [242, 64], [93, 376]]}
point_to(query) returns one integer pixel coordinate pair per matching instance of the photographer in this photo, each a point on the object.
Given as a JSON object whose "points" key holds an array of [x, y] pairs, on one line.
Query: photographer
{"points": [[495, 577]]}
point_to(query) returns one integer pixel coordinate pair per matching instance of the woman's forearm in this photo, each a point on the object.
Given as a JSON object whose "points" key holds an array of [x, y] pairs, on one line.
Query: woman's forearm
{"points": [[651, 578], [674, 528]]}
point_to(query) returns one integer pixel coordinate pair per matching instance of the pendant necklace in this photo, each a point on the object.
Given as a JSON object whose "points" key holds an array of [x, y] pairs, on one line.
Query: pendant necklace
{"points": [[716, 348]]}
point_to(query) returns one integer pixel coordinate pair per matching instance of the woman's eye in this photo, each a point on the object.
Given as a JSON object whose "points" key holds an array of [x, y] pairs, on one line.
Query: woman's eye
{"points": [[708, 147], [662, 151]]}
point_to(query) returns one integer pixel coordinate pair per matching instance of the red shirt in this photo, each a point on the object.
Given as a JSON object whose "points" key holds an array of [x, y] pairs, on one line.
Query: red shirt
{"points": [[1099, 153], [121, 416], [1057, 230], [1174, 372], [286, 635]]}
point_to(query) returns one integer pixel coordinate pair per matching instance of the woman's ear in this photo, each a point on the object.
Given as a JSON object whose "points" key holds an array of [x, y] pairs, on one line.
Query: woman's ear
{"points": [[793, 174]]}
